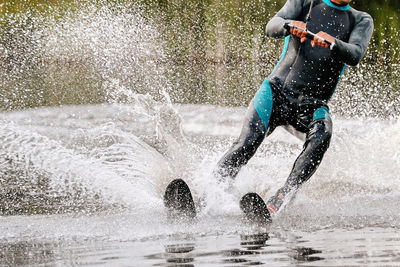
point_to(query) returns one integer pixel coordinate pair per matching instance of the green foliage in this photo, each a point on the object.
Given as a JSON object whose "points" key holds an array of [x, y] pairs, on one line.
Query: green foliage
{"points": [[215, 52]]}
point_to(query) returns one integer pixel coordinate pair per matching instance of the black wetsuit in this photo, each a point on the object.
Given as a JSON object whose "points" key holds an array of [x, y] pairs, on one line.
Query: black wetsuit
{"points": [[297, 92]]}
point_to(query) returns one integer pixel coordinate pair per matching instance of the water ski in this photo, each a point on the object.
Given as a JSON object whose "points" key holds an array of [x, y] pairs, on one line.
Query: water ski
{"points": [[179, 201], [254, 209]]}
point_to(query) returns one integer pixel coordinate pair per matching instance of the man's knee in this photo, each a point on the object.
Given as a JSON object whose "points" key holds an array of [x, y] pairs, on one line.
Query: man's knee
{"points": [[320, 134], [252, 134], [244, 147]]}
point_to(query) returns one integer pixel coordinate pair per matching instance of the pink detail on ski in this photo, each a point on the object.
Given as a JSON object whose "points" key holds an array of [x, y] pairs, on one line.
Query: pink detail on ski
{"points": [[271, 208]]}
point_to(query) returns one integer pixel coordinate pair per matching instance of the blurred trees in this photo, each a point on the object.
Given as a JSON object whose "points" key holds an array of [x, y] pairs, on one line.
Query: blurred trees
{"points": [[215, 52]]}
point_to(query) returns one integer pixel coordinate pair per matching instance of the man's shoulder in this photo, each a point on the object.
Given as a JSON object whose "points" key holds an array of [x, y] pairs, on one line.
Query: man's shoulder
{"points": [[361, 16]]}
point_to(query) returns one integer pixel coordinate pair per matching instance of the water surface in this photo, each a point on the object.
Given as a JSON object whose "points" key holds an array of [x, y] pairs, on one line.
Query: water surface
{"points": [[96, 183]]}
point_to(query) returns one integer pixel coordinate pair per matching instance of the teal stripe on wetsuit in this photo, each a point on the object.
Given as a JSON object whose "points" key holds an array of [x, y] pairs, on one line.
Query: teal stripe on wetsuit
{"points": [[263, 103], [340, 78], [285, 48], [343, 8], [322, 113], [263, 99]]}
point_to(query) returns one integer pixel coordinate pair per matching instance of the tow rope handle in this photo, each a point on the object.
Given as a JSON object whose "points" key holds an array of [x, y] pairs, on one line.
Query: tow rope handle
{"points": [[311, 35]]}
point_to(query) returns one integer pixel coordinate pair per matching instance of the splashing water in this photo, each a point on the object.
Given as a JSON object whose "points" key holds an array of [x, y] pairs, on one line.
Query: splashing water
{"points": [[114, 160], [123, 163], [84, 52], [89, 53]]}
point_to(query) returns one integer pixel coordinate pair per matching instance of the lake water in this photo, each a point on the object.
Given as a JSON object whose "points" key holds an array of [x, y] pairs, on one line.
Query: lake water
{"points": [[83, 185]]}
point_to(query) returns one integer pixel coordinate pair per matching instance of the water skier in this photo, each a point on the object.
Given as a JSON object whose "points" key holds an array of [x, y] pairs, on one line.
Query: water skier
{"points": [[297, 93]]}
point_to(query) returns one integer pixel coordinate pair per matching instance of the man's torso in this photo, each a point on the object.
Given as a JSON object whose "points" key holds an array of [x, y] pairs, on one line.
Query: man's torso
{"points": [[315, 72]]}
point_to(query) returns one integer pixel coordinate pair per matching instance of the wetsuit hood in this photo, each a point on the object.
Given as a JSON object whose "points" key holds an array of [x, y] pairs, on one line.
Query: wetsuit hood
{"points": [[337, 6]]}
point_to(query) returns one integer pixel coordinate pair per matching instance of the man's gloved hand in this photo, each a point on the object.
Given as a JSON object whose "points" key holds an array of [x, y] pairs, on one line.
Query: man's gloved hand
{"points": [[321, 43], [299, 32]]}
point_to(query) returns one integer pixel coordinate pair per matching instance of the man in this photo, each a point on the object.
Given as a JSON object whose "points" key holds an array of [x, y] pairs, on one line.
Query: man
{"points": [[297, 92]]}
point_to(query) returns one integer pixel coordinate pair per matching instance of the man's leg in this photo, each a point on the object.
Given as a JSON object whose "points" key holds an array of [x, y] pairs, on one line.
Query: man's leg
{"points": [[253, 132], [317, 143]]}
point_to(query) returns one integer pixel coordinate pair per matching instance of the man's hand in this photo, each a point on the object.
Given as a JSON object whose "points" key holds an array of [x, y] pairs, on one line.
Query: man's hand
{"points": [[320, 42], [299, 31]]}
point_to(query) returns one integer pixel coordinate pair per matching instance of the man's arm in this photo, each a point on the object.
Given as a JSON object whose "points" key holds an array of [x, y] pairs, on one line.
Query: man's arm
{"points": [[354, 50], [290, 11]]}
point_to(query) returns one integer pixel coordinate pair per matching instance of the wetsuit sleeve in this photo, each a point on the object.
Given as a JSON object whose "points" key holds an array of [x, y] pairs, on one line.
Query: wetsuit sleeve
{"points": [[290, 11], [352, 52]]}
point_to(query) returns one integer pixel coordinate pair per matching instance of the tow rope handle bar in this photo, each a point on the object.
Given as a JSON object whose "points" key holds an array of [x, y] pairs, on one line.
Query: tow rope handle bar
{"points": [[311, 35]]}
